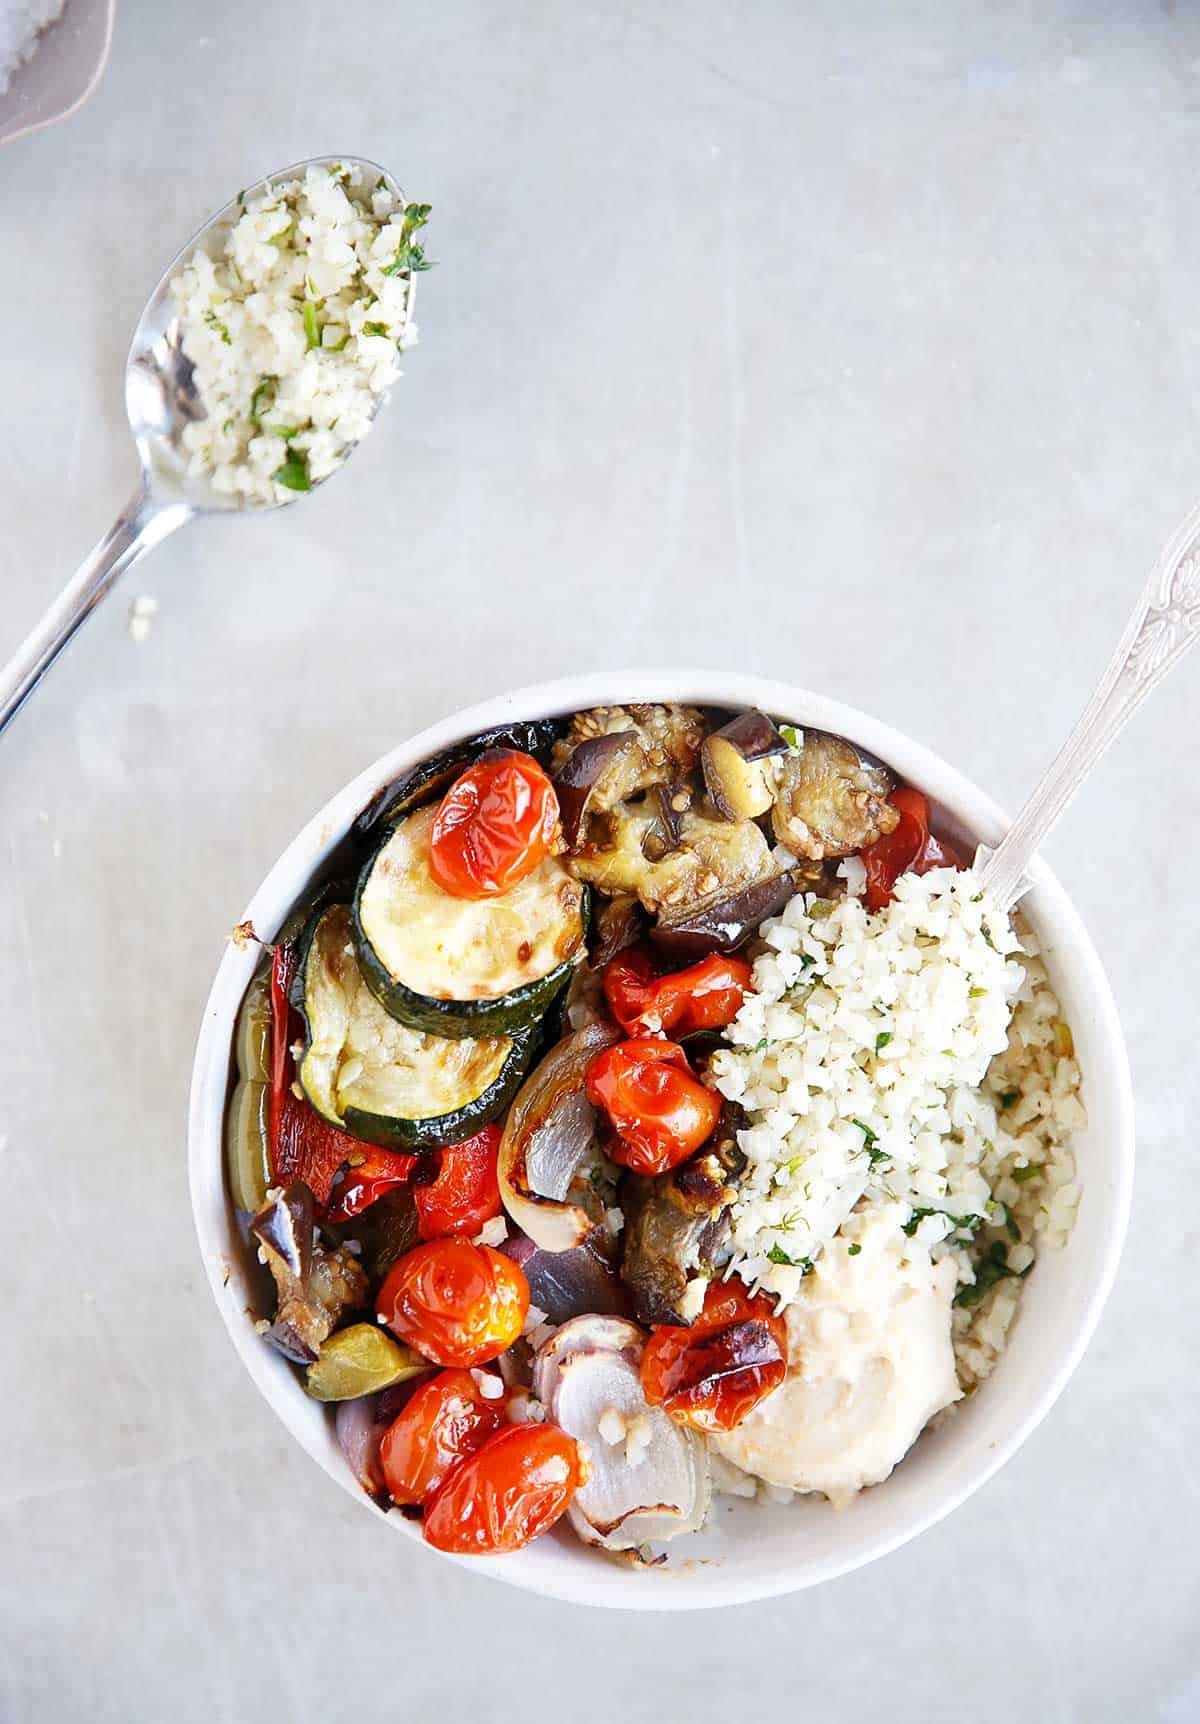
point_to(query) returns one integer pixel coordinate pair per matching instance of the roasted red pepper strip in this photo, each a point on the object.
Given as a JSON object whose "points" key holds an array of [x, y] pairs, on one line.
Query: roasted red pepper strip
{"points": [[465, 1192], [910, 846], [358, 1185], [660, 1110], [303, 1145], [705, 996]]}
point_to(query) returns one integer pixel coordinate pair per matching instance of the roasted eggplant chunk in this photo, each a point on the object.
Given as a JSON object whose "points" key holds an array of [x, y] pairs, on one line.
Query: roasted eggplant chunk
{"points": [[830, 800], [663, 747], [677, 1225], [316, 1287]]}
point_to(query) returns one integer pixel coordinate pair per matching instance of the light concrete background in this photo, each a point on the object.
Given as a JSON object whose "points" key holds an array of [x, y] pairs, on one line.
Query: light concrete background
{"points": [[854, 343]]}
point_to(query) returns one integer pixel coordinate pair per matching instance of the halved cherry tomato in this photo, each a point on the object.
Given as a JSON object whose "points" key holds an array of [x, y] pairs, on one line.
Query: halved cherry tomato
{"points": [[910, 846], [496, 823], [512, 1489], [661, 1112], [705, 996], [458, 1303], [302, 1144], [373, 1172], [712, 1374], [446, 1420], [464, 1192]]}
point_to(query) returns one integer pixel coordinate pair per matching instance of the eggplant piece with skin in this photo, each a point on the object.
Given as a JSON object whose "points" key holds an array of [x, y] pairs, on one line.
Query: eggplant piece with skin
{"points": [[594, 769], [722, 924], [739, 786], [711, 860], [620, 922], [830, 800], [566, 1284], [316, 1287], [663, 746], [677, 1226]]}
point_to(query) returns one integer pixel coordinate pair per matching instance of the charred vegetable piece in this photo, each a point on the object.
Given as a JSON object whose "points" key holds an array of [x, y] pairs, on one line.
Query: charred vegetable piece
{"points": [[585, 1374], [385, 1231], [722, 924], [360, 1360], [363, 1182], [667, 739], [458, 966], [550, 1128], [316, 1287], [570, 1283], [378, 1078], [830, 800], [712, 1374], [711, 860], [359, 1427], [738, 785], [909, 845], [433, 777], [619, 922], [678, 1227], [592, 769], [463, 1192]]}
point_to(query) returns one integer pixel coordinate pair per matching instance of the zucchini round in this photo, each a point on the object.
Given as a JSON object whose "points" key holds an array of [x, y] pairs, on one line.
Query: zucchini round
{"points": [[378, 1079], [463, 966], [435, 776]]}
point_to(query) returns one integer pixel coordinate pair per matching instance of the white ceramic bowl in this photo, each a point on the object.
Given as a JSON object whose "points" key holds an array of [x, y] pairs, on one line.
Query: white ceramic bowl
{"points": [[748, 1551]]}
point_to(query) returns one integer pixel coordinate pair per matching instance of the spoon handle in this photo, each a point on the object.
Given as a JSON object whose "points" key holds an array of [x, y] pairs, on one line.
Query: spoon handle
{"points": [[1164, 624], [141, 525]]}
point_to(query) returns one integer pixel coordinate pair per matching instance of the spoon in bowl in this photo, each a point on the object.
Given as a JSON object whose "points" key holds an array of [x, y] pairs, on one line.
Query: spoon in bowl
{"points": [[1164, 624], [161, 400]]}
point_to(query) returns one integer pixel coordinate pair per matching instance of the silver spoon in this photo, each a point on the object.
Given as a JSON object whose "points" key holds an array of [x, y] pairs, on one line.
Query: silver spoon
{"points": [[1164, 624], [160, 400]]}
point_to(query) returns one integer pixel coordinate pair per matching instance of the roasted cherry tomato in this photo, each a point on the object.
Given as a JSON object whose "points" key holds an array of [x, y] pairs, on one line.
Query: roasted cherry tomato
{"points": [[711, 1374], [512, 1489], [659, 1109], [464, 1193], [910, 846], [302, 1144], [372, 1172], [705, 996], [458, 1303], [495, 824], [446, 1420]]}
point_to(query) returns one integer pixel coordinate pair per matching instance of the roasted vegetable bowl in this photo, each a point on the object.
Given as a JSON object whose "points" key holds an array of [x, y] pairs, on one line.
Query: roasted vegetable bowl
{"points": [[522, 1234]]}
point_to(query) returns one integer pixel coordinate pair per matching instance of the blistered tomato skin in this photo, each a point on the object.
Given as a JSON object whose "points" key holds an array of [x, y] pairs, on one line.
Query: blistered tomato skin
{"points": [[515, 1487], [457, 1303], [712, 1374], [659, 1109], [496, 823], [444, 1422]]}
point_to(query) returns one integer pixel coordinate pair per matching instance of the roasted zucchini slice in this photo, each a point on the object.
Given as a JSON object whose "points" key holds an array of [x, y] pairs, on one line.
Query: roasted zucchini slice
{"points": [[463, 966], [379, 1079], [435, 776]]}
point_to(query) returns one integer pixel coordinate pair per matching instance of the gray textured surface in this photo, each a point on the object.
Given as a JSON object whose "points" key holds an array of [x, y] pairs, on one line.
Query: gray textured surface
{"points": [[856, 344]]}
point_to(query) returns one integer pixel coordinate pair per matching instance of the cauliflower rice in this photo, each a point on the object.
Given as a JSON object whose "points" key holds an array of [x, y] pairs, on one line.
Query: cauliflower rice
{"points": [[916, 1057], [296, 328]]}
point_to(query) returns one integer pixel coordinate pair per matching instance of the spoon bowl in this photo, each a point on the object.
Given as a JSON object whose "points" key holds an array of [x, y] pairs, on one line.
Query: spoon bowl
{"points": [[161, 401]]}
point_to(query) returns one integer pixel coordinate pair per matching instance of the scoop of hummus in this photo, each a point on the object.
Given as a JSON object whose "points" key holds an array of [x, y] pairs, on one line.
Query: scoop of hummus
{"points": [[870, 1361]]}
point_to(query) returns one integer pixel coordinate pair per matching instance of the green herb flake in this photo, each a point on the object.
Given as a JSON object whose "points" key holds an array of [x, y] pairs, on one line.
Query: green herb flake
{"points": [[312, 329], [976, 993], [853, 1250], [962, 1223], [410, 257], [778, 1255], [882, 1040], [375, 329], [214, 322], [759, 1046], [294, 472], [869, 1137], [1033, 1171], [790, 735], [263, 398], [992, 1268]]}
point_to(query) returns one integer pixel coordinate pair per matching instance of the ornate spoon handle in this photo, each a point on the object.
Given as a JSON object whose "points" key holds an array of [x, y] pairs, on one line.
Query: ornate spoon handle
{"points": [[1164, 624]]}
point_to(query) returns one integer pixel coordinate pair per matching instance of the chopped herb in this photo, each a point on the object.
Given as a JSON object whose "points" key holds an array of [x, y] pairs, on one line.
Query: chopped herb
{"points": [[993, 1267], [228, 426], [882, 1040], [976, 993], [869, 1137], [312, 329], [1008, 1097], [410, 258], [214, 322], [820, 910], [876, 1156], [987, 934], [853, 1250], [759, 1046], [263, 398], [336, 346], [962, 1223], [790, 735], [778, 1255], [294, 472], [381, 183], [376, 329], [1033, 1171], [285, 233], [284, 431]]}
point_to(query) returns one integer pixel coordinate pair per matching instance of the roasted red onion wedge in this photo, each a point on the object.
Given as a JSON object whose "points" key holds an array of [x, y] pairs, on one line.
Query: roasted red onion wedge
{"points": [[549, 1131], [652, 1483], [566, 1284], [359, 1428]]}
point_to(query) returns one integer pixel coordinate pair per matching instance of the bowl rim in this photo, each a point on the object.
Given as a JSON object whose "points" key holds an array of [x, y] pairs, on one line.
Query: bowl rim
{"points": [[590, 1581]]}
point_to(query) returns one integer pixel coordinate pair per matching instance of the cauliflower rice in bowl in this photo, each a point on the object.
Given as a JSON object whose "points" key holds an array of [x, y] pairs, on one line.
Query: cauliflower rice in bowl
{"points": [[882, 1226]]}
